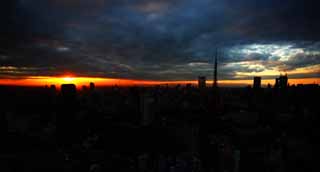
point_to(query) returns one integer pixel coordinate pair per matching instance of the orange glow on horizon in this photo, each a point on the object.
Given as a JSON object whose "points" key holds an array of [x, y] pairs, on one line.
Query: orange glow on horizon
{"points": [[68, 79], [79, 81]]}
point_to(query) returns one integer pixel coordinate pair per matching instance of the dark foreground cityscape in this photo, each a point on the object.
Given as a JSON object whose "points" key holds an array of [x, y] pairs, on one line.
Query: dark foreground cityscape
{"points": [[183, 128]]}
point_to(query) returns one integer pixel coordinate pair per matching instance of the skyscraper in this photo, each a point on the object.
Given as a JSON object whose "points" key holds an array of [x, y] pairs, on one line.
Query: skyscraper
{"points": [[66, 130], [202, 82], [281, 82], [257, 82], [92, 86], [215, 71], [68, 91]]}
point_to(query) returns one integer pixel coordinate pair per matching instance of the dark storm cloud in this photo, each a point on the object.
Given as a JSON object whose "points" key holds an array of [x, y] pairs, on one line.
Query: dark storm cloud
{"points": [[303, 60], [155, 39]]}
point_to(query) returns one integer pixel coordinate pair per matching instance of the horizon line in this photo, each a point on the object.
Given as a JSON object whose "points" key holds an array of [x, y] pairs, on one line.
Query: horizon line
{"points": [[100, 81]]}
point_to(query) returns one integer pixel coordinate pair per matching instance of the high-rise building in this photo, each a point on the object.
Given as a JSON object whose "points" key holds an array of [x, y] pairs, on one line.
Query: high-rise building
{"points": [[68, 91], [257, 82], [202, 82], [53, 87], [215, 72], [92, 86], [281, 82], [276, 84], [66, 130]]}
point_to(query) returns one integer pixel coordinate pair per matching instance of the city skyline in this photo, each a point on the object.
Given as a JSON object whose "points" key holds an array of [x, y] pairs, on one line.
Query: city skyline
{"points": [[80, 81]]}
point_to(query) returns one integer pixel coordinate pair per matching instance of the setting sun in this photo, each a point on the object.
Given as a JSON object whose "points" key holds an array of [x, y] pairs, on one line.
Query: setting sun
{"points": [[68, 79]]}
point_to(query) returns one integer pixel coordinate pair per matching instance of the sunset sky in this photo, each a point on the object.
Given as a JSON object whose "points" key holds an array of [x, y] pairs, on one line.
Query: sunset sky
{"points": [[158, 41]]}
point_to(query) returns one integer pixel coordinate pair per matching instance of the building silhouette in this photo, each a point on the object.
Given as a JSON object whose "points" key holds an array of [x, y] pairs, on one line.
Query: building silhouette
{"points": [[215, 71], [281, 82], [53, 87], [202, 82], [68, 90], [92, 86], [66, 123], [256, 82]]}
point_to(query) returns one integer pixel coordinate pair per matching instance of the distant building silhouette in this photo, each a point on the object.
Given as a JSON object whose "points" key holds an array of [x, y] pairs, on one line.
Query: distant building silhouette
{"points": [[256, 82], [68, 90], [92, 86], [53, 88], [281, 82], [202, 82], [276, 85], [215, 71], [66, 124]]}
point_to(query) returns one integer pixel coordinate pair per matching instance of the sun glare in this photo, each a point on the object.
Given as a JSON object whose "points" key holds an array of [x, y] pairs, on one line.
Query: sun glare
{"points": [[68, 79]]}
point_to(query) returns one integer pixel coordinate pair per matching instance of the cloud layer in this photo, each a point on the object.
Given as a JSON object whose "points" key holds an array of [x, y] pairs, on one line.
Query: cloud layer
{"points": [[159, 39]]}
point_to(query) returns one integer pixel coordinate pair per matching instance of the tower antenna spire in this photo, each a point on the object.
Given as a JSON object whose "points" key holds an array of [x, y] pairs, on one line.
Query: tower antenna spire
{"points": [[215, 70]]}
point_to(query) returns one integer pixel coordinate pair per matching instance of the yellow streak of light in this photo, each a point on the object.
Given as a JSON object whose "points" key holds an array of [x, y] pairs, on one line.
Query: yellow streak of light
{"points": [[79, 81], [303, 70]]}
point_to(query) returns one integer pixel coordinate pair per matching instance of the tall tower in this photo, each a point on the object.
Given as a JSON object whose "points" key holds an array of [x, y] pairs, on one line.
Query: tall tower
{"points": [[215, 71], [257, 82], [202, 82], [281, 82]]}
